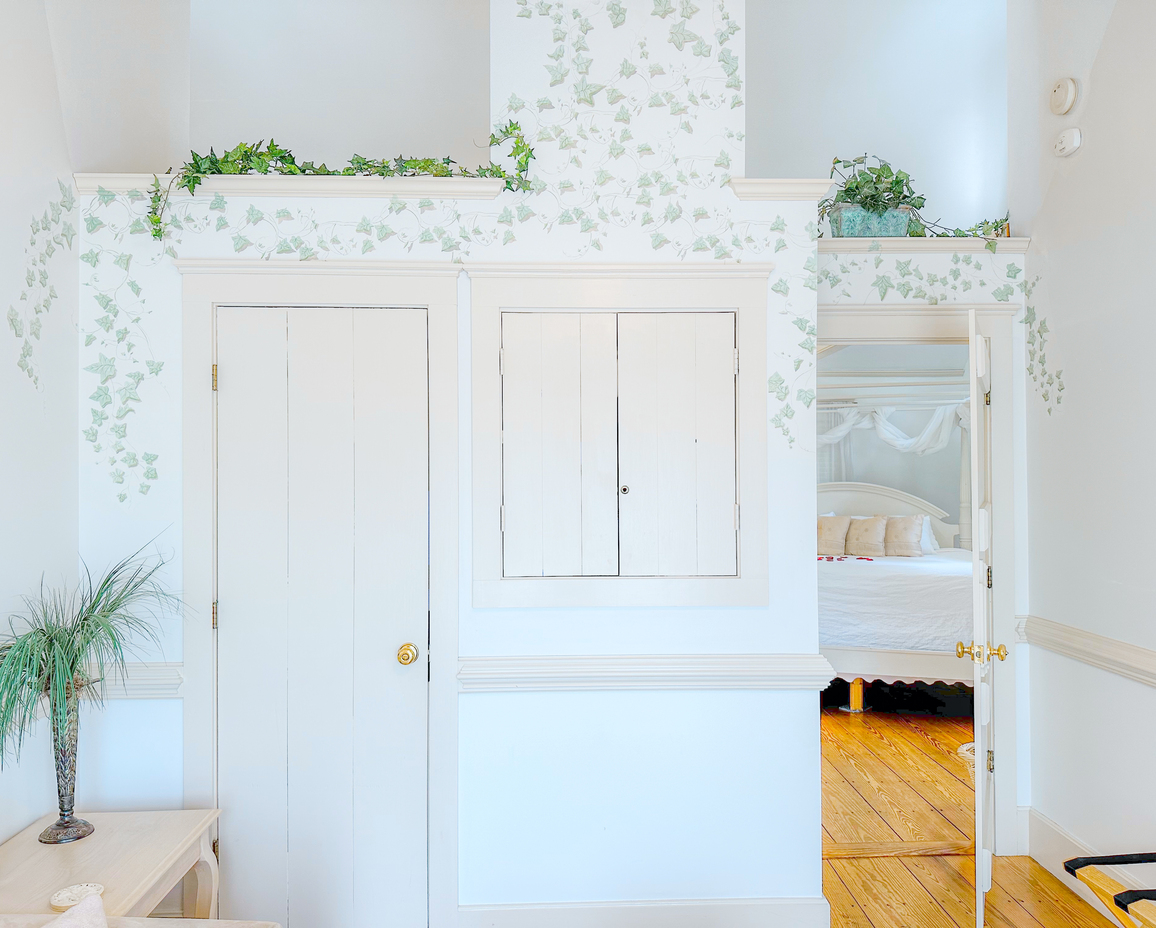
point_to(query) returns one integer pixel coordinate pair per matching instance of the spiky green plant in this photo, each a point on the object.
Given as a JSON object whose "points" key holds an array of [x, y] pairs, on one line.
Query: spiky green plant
{"points": [[67, 640]]}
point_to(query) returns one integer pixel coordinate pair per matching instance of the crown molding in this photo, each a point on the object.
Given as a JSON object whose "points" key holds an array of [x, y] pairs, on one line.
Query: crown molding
{"points": [[681, 269], [1110, 654], [905, 245], [307, 185], [780, 188], [645, 672]]}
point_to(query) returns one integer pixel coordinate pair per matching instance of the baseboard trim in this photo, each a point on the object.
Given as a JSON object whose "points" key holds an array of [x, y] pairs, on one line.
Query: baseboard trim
{"points": [[1118, 657], [1050, 845], [645, 672], [786, 912]]}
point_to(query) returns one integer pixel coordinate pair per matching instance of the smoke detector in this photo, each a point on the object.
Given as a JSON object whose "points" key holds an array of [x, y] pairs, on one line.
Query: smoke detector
{"points": [[1063, 96]]}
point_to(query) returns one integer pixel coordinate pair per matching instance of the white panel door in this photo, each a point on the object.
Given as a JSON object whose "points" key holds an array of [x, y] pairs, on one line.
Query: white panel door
{"points": [[559, 467], [322, 574], [676, 444]]}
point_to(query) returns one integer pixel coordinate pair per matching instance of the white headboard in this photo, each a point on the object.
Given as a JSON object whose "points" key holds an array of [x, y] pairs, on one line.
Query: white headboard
{"points": [[870, 499]]}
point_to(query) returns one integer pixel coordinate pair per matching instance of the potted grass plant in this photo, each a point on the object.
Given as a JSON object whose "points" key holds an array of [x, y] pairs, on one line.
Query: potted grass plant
{"points": [[879, 201], [60, 649]]}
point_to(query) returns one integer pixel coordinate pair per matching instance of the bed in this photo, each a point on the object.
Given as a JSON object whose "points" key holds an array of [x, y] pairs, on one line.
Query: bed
{"points": [[894, 619]]}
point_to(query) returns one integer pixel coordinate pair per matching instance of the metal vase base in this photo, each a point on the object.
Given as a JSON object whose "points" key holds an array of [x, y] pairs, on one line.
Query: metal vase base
{"points": [[66, 829]]}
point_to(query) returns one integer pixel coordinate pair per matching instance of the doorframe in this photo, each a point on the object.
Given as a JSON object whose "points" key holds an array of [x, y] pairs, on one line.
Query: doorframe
{"points": [[914, 324], [207, 283]]}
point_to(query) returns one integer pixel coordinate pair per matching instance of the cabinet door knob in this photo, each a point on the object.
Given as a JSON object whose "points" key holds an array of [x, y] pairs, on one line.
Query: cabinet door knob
{"points": [[624, 489], [407, 653]]}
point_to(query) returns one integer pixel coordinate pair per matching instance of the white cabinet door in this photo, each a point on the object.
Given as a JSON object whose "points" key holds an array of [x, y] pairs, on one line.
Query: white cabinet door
{"points": [[676, 444], [559, 466], [322, 565]]}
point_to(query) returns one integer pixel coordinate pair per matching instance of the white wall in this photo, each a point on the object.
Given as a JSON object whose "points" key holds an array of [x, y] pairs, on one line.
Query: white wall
{"points": [[1092, 243], [921, 84], [38, 457], [123, 72], [378, 78]]}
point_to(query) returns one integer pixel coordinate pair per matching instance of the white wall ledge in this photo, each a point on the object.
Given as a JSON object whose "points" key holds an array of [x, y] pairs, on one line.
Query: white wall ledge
{"points": [[1115, 656], [645, 672], [306, 185], [782, 188], [919, 246]]}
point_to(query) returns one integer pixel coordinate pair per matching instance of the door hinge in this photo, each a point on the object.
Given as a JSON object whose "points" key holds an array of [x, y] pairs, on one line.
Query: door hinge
{"points": [[214, 613], [217, 849], [736, 362], [989, 578], [991, 761], [501, 361], [214, 376], [502, 518], [987, 398], [736, 517]]}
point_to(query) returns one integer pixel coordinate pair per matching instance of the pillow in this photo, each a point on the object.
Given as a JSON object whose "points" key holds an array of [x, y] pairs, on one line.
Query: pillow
{"points": [[928, 542], [833, 535], [904, 535], [865, 536]]}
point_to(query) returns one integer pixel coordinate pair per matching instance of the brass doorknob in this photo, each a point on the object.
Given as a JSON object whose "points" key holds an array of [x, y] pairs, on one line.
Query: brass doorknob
{"points": [[960, 650], [1000, 652], [407, 653], [978, 653]]}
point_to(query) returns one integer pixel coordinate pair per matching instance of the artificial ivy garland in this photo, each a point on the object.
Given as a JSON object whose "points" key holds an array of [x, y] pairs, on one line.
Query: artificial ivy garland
{"points": [[272, 159]]}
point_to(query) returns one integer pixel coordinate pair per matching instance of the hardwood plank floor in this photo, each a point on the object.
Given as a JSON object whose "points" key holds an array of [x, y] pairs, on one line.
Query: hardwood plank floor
{"points": [[892, 783]]}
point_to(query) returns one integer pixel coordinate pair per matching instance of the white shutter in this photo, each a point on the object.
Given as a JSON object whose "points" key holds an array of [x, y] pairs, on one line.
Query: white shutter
{"points": [[558, 450], [676, 404]]}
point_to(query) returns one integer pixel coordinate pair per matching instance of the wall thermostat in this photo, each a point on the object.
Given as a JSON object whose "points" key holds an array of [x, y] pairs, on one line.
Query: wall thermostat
{"points": [[1067, 142], [1063, 96]]}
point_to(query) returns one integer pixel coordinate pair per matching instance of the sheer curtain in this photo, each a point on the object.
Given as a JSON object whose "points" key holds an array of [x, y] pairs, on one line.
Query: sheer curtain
{"points": [[836, 460]]}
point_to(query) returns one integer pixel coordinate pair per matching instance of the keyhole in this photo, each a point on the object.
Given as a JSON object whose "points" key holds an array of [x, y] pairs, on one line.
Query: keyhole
{"points": [[624, 489]]}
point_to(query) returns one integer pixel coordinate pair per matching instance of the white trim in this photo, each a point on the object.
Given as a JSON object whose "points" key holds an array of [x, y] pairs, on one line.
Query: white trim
{"points": [[645, 672], [636, 287], [921, 246], [307, 185], [896, 666], [903, 323], [635, 271], [1110, 654], [781, 188], [145, 680], [341, 266], [290, 284], [1050, 845], [787, 912]]}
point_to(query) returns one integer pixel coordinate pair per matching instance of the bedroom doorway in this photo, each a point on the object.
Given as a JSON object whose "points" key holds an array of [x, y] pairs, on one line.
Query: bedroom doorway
{"points": [[322, 562], [896, 594]]}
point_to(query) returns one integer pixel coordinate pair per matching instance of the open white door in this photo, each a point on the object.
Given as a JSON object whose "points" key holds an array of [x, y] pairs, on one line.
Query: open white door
{"points": [[981, 652]]}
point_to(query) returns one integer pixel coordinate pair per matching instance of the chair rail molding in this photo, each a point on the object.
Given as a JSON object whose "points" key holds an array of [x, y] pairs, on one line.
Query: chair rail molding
{"points": [[1118, 657], [645, 672], [144, 680]]}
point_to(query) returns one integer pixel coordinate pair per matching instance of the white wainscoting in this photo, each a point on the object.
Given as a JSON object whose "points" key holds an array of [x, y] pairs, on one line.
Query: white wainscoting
{"points": [[780, 912], [645, 672], [1111, 654]]}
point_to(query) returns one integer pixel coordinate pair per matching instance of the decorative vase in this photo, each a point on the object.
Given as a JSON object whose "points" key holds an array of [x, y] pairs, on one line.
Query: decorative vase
{"points": [[849, 220], [68, 827]]}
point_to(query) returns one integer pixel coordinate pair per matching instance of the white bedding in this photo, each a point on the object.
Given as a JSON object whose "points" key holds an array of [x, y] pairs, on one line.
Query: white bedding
{"points": [[900, 603]]}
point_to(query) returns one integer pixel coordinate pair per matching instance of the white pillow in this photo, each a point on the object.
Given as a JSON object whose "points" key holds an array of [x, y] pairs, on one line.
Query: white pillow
{"points": [[928, 542]]}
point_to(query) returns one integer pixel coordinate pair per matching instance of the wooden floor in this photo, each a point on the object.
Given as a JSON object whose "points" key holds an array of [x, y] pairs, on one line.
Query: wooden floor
{"points": [[893, 786]]}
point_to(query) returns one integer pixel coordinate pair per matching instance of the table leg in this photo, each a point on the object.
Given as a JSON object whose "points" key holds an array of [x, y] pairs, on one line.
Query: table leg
{"points": [[204, 880]]}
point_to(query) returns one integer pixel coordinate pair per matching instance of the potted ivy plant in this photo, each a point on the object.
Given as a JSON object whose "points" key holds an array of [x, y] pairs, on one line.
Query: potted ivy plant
{"points": [[59, 649], [878, 201]]}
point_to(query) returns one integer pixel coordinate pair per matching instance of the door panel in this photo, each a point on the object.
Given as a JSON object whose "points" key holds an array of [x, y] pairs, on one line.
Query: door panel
{"points": [[322, 575], [253, 474]]}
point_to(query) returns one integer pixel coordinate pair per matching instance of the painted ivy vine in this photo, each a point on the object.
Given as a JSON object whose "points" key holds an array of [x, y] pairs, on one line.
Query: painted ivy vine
{"points": [[260, 158]]}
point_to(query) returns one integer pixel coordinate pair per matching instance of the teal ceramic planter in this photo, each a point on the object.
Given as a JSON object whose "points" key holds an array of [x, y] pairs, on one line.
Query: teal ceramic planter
{"points": [[851, 221]]}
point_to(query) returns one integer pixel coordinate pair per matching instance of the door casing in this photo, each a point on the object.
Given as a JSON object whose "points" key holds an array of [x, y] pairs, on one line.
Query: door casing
{"points": [[435, 288]]}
